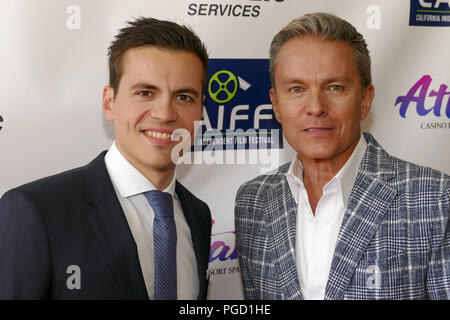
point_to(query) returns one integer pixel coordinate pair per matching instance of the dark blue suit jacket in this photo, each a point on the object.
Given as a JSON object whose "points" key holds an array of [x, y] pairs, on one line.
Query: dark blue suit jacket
{"points": [[75, 218]]}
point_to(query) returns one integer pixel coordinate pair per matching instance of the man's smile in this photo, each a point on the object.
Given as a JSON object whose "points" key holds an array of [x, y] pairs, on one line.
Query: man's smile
{"points": [[159, 136]]}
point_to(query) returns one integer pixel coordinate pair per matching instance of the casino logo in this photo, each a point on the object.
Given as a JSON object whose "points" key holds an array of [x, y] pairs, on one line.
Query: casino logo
{"points": [[238, 113], [420, 95], [432, 13]]}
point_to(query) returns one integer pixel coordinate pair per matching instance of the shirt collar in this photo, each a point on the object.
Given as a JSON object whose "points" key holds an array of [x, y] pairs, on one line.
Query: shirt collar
{"points": [[126, 178], [345, 177], [294, 177]]}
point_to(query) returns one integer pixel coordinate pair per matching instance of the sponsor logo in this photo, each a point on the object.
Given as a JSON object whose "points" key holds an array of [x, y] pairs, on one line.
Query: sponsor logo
{"points": [[238, 124], [245, 8], [223, 249], [432, 13], [238, 113], [420, 95], [220, 249], [435, 125]]}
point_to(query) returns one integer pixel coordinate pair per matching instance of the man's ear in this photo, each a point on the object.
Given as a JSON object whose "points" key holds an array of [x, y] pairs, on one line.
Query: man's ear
{"points": [[274, 100], [108, 102], [367, 98]]}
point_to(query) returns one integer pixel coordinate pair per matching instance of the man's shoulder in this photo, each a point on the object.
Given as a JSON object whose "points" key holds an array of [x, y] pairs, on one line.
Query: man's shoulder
{"points": [[263, 182], [57, 187], [419, 176], [51, 186], [380, 163], [45, 197], [415, 170], [419, 179]]}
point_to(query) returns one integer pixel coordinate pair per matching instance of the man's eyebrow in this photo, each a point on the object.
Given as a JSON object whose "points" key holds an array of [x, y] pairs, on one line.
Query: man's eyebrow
{"points": [[293, 80], [193, 91], [144, 86], [338, 79], [329, 80], [148, 86]]}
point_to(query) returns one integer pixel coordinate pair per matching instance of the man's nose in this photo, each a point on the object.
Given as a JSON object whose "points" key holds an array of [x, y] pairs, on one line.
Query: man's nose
{"points": [[316, 104], [163, 110]]}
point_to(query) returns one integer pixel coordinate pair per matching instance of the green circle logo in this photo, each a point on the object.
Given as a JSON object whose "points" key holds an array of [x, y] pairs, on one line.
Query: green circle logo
{"points": [[225, 94]]}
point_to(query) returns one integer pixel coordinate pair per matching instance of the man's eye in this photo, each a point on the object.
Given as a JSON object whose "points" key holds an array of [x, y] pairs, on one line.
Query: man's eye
{"points": [[144, 93], [296, 89], [183, 97], [336, 87]]}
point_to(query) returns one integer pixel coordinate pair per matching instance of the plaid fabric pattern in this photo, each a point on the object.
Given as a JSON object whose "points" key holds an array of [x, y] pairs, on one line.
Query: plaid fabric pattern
{"points": [[393, 243]]}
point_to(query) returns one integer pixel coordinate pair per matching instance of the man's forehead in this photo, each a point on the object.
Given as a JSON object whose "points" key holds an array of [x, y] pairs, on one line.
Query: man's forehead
{"points": [[317, 40], [314, 55], [174, 82], [314, 46], [159, 59], [153, 58]]}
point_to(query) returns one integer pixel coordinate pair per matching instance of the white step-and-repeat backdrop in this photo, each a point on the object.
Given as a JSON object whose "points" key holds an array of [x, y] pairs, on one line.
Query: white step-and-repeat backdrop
{"points": [[53, 66]]}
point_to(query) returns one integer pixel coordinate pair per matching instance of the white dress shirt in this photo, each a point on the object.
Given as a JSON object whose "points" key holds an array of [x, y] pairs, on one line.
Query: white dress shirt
{"points": [[316, 235], [129, 185]]}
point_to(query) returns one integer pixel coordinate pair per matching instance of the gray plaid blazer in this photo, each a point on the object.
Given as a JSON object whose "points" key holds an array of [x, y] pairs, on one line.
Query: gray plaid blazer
{"points": [[393, 242]]}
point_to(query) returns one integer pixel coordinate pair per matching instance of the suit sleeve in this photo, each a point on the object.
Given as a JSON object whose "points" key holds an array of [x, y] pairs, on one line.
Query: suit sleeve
{"points": [[438, 276], [24, 252], [242, 225]]}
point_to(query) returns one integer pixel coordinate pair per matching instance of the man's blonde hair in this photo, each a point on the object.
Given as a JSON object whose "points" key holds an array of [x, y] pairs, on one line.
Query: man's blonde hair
{"points": [[328, 27]]}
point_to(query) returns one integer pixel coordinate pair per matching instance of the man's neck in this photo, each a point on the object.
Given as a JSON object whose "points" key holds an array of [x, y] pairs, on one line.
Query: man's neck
{"points": [[160, 178], [318, 172]]}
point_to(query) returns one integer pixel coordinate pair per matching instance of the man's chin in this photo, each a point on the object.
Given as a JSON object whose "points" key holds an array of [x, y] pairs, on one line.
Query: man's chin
{"points": [[152, 160], [316, 155], [158, 164]]}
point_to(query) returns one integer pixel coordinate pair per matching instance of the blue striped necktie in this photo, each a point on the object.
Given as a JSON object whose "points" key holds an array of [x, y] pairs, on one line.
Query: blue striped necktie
{"points": [[164, 245]]}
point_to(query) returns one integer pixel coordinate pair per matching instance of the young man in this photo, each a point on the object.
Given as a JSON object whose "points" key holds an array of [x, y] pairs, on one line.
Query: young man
{"points": [[344, 219], [121, 227]]}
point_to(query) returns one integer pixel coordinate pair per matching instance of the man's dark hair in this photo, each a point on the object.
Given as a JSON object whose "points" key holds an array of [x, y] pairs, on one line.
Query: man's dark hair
{"points": [[157, 33]]}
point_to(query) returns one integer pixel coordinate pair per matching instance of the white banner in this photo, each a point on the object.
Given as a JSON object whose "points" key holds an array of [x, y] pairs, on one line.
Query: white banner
{"points": [[53, 66]]}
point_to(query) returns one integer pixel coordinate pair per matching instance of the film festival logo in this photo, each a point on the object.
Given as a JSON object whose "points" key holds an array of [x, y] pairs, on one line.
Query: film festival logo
{"points": [[418, 94], [238, 125]]}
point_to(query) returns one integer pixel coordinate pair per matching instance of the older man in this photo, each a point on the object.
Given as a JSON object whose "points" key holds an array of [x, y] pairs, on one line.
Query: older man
{"points": [[343, 219]]}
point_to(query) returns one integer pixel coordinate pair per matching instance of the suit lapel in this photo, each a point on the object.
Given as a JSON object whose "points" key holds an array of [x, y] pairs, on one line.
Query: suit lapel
{"points": [[198, 240], [368, 203], [281, 213], [111, 227]]}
